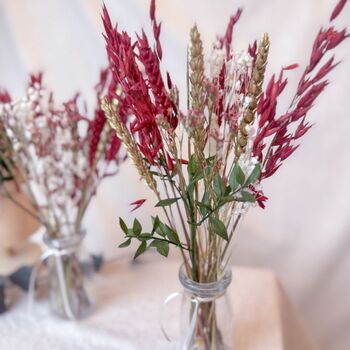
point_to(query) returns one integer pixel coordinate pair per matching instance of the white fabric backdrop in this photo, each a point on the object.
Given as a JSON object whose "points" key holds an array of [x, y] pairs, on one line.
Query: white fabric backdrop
{"points": [[304, 233]]}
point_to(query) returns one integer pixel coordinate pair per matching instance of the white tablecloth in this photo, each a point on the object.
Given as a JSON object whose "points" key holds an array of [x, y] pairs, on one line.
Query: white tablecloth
{"points": [[129, 296]]}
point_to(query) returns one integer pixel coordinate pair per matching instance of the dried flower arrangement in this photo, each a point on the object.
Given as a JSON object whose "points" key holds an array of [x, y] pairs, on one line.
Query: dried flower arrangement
{"points": [[6, 152], [234, 134], [60, 153], [211, 160], [61, 156]]}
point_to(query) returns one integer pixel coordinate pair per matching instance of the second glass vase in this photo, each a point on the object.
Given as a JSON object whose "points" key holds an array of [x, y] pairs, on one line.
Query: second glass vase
{"points": [[68, 295]]}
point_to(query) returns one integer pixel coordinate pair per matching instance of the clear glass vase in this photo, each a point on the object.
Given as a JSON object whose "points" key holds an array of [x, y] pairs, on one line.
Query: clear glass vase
{"points": [[207, 317], [68, 294]]}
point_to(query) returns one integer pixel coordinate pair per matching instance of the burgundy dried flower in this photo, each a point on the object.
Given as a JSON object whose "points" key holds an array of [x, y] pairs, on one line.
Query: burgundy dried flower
{"points": [[338, 8], [292, 125], [226, 41], [97, 126], [152, 10], [137, 204], [5, 96], [113, 149], [36, 79], [144, 95]]}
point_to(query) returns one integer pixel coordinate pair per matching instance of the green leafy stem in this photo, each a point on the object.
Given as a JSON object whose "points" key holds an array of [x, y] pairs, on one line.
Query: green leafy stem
{"points": [[160, 237]]}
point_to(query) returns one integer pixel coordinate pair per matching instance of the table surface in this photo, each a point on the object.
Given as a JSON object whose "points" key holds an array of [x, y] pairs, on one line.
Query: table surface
{"points": [[128, 300]]}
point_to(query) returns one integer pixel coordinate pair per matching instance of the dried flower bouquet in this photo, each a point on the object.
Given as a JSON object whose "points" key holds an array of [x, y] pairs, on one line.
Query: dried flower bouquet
{"points": [[6, 151], [60, 152], [213, 158], [62, 156], [15, 224], [210, 161]]}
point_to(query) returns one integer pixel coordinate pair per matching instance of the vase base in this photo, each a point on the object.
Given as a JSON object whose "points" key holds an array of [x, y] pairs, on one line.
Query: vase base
{"points": [[80, 310]]}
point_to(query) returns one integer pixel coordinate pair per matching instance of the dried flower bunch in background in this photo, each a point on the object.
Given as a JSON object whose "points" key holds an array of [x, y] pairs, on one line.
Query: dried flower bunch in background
{"points": [[59, 152], [209, 161], [6, 152]]}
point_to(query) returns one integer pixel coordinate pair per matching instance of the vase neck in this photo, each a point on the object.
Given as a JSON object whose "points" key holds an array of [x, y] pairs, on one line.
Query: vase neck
{"points": [[205, 291], [64, 242]]}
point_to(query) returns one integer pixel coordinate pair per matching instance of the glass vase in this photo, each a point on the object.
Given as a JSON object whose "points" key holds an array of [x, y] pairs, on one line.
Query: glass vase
{"points": [[67, 290], [206, 312]]}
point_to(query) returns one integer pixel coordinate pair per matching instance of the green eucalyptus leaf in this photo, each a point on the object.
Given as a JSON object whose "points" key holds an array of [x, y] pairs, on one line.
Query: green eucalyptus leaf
{"points": [[172, 236], [226, 199], [168, 232], [192, 165], [233, 182], [227, 191], [190, 186], [254, 176], [194, 180], [237, 177], [136, 227], [161, 230], [141, 249], [218, 227], [240, 177], [130, 233], [219, 185], [156, 223], [204, 205], [167, 202], [248, 197], [125, 243], [123, 225], [161, 246]]}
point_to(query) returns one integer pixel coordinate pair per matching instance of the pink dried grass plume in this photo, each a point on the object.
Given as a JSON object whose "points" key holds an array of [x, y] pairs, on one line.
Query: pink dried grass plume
{"points": [[144, 94], [137, 204], [286, 129], [338, 8], [224, 42]]}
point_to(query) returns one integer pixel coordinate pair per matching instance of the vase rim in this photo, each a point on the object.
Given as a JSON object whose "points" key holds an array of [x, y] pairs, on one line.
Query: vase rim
{"points": [[206, 289]]}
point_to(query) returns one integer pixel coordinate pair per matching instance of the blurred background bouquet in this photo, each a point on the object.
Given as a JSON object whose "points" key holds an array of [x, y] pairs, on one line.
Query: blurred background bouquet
{"points": [[60, 156]]}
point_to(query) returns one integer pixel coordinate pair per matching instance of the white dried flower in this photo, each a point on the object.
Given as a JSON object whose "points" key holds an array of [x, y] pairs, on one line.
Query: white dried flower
{"points": [[217, 60]]}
